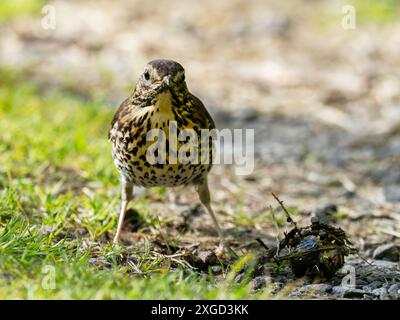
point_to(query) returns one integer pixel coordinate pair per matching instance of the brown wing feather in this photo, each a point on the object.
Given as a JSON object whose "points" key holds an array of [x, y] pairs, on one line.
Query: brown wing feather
{"points": [[121, 111], [201, 113]]}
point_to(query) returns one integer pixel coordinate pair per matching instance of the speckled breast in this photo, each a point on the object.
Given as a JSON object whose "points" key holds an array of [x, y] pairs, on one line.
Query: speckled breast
{"points": [[131, 157], [135, 166]]}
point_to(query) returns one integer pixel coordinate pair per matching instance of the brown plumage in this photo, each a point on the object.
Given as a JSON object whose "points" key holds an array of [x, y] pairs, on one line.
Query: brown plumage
{"points": [[160, 99]]}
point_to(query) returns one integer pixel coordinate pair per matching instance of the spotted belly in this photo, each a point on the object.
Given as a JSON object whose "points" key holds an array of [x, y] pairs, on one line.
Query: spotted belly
{"points": [[130, 157], [138, 171]]}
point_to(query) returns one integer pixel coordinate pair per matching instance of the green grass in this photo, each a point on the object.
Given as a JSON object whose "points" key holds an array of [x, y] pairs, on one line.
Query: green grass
{"points": [[59, 196], [367, 13], [30, 258], [10, 9], [248, 219], [372, 11]]}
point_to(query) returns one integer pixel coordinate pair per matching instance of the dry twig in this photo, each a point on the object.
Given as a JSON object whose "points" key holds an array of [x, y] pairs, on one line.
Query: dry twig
{"points": [[289, 218]]}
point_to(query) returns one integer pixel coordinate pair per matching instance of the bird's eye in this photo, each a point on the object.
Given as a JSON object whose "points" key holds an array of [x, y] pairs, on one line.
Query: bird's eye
{"points": [[146, 75]]}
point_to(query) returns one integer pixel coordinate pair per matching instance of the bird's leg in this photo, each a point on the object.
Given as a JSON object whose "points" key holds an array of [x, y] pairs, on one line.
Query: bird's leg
{"points": [[204, 195], [126, 196]]}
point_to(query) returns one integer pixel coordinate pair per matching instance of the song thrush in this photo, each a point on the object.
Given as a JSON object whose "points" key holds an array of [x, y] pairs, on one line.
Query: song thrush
{"points": [[161, 97]]}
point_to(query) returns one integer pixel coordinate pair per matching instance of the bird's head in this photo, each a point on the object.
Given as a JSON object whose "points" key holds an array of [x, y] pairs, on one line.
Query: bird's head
{"points": [[161, 75]]}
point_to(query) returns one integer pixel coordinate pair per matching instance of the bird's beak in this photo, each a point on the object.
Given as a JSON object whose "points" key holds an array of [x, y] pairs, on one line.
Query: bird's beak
{"points": [[164, 85]]}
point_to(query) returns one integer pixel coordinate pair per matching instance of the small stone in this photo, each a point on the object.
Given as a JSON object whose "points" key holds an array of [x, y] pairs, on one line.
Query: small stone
{"points": [[314, 220], [349, 293], [392, 193], [216, 269], [338, 291], [317, 289], [394, 291], [325, 214], [361, 282], [239, 278], [384, 296], [381, 293], [258, 282], [311, 290], [389, 252], [355, 294], [375, 285], [378, 291], [391, 177], [349, 194]]}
